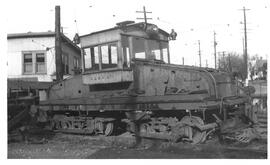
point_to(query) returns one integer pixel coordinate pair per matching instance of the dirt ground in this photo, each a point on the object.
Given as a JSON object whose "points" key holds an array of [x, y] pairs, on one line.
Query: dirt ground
{"points": [[50, 145]]}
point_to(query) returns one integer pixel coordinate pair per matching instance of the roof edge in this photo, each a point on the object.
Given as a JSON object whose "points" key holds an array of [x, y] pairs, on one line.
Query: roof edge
{"points": [[41, 34]]}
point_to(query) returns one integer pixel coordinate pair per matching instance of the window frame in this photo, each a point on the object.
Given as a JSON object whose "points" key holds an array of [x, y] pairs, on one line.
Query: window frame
{"points": [[76, 63], [24, 64], [143, 42], [131, 39], [34, 62], [109, 53], [98, 46], [66, 71]]}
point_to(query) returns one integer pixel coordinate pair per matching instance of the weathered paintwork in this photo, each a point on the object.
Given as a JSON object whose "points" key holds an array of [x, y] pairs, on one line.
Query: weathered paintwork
{"points": [[128, 78], [151, 86], [111, 76]]}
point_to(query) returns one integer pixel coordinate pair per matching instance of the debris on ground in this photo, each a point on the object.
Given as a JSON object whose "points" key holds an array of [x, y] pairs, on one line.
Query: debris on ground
{"points": [[50, 145]]}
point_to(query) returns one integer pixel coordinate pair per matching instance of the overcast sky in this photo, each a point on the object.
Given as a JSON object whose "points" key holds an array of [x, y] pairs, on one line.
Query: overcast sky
{"points": [[193, 20]]}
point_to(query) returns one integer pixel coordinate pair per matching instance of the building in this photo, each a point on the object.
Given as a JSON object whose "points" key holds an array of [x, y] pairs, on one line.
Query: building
{"points": [[31, 56]]}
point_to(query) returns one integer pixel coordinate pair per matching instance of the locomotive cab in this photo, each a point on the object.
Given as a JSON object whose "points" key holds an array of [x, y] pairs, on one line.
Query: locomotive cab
{"points": [[108, 54]]}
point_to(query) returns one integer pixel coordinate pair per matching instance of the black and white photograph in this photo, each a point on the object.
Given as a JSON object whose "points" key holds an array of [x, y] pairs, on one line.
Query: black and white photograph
{"points": [[135, 79]]}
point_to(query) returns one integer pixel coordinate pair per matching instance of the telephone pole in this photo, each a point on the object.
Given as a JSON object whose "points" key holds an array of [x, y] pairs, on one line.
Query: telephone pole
{"points": [[224, 61], [215, 50], [229, 61], [200, 53], [221, 60], [183, 60], [144, 15], [58, 47], [245, 43]]}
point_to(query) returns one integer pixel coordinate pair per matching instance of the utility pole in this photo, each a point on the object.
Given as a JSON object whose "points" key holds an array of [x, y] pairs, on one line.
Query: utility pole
{"points": [[215, 50], [200, 53], [183, 60], [219, 62], [224, 61], [229, 61], [245, 43], [245, 31], [144, 15], [58, 47]]}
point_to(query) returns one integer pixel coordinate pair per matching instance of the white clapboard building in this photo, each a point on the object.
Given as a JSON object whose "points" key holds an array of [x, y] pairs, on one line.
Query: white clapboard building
{"points": [[31, 56]]}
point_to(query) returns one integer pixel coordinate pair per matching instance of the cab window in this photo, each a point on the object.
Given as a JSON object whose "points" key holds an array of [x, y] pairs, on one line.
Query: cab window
{"points": [[154, 47], [126, 51], [91, 59], [87, 59], [109, 56], [139, 47], [165, 52]]}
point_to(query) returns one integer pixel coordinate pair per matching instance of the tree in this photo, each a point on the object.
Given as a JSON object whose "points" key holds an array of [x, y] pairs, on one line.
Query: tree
{"points": [[234, 64], [258, 68]]}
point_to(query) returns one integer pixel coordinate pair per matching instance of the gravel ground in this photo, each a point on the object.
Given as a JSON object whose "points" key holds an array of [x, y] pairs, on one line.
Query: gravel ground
{"points": [[68, 146]]}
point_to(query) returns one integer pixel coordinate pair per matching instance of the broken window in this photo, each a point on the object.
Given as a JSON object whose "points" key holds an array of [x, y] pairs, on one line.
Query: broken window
{"points": [[126, 57], [139, 47], [165, 52], [125, 50], [154, 47], [105, 55]]}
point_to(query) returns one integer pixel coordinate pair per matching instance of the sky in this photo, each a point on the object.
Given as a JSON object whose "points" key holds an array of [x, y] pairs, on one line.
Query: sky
{"points": [[193, 20]]}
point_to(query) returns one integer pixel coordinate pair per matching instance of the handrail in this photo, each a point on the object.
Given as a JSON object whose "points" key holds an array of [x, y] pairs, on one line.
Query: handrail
{"points": [[214, 80]]}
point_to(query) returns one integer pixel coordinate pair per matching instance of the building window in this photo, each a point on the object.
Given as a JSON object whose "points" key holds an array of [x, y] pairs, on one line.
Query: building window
{"points": [[40, 63], [28, 63], [34, 62]]}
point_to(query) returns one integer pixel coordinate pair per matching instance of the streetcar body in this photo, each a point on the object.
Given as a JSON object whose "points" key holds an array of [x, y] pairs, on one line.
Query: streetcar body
{"points": [[127, 77]]}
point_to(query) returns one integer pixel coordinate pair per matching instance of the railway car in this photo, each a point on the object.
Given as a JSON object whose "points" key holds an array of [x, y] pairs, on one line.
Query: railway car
{"points": [[128, 83]]}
